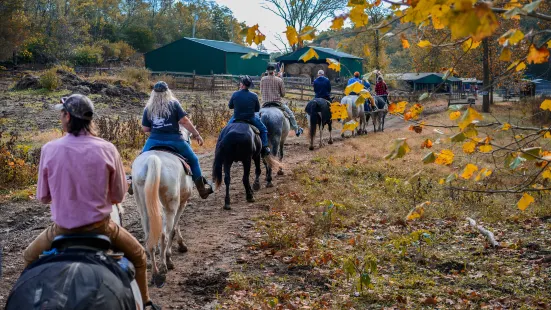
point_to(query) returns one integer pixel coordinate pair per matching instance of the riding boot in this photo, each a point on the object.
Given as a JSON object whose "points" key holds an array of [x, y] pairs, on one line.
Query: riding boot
{"points": [[203, 187]]}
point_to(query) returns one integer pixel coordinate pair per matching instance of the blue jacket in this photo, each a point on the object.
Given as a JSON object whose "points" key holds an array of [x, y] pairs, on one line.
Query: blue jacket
{"points": [[245, 104], [322, 87], [355, 79]]}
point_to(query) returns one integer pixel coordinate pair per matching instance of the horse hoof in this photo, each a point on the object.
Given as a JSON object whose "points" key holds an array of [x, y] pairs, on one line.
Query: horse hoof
{"points": [[256, 186], [311, 148], [169, 265], [159, 280], [330, 142], [227, 206], [269, 184], [280, 172], [182, 248], [250, 199]]}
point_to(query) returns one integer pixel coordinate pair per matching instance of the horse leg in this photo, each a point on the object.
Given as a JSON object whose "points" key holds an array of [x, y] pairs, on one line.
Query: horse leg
{"points": [[257, 172], [321, 135], [330, 127], [166, 244], [281, 144], [312, 126], [182, 248], [227, 180], [246, 181]]}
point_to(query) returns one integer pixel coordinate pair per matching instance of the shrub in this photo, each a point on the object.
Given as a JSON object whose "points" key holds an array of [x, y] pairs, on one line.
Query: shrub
{"points": [[64, 67], [118, 50], [18, 163], [88, 55], [49, 79], [137, 77]]}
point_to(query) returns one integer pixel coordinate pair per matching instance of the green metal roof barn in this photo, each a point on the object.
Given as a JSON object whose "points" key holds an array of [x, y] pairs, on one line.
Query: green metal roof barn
{"points": [[206, 57], [349, 63]]}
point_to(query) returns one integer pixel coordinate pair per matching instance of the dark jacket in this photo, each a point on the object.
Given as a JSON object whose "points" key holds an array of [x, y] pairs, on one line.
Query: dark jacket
{"points": [[245, 104], [322, 87]]}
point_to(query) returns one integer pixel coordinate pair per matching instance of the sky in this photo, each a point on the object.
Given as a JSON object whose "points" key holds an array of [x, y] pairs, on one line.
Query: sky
{"points": [[251, 12]]}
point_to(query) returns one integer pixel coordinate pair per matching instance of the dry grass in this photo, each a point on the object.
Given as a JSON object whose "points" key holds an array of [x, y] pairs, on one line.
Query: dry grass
{"points": [[345, 211]]}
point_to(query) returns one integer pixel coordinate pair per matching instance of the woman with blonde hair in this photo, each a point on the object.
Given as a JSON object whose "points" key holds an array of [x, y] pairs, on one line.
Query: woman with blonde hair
{"points": [[162, 117]]}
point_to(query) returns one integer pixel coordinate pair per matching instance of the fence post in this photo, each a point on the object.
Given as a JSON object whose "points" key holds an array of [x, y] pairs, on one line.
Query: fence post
{"points": [[301, 91], [193, 81], [212, 83]]}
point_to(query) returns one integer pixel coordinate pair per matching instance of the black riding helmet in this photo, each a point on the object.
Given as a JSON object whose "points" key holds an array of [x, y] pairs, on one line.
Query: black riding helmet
{"points": [[246, 80]]}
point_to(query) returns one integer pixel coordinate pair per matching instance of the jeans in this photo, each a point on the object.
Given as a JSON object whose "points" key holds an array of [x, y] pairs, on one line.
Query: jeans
{"points": [[121, 239], [256, 122], [184, 149]]}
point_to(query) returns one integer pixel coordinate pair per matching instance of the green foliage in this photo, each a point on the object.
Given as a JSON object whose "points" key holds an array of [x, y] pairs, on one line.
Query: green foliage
{"points": [[139, 38], [88, 55], [49, 80]]}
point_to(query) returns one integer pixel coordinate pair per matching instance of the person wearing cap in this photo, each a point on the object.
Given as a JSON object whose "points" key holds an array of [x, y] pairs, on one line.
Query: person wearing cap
{"points": [[272, 90], [356, 78], [245, 105], [322, 86], [81, 176], [162, 117]]}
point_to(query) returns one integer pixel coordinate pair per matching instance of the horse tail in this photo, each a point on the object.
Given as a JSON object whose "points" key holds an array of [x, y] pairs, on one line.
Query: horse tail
{"points": [[218, 164], [152, 202]]}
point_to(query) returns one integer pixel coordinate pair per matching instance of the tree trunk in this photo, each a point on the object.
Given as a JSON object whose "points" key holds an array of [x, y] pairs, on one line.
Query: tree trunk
{"points": [[486, 85], [377, 47]]}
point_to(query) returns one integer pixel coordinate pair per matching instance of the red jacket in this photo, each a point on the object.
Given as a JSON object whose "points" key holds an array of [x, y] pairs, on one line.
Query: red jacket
{"points": [[381, 89]]}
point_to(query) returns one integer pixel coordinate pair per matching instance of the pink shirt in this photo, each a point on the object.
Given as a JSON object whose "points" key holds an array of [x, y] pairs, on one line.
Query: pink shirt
{"points": [[81, 177]]}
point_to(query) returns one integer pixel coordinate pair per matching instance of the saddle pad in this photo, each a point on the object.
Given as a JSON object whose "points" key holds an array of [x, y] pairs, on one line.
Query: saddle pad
{"points": [[182, 159], [253, 127]]}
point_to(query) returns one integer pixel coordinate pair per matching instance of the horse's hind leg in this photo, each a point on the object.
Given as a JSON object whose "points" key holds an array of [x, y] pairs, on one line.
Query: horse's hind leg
{"points": [[281, 144], [182, 248], [246, 181], [227, 180], [330, 127], [257, 172], [166, 240]]}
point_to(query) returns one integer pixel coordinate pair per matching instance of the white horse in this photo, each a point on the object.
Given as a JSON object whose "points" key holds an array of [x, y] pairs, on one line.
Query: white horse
{"points": [[161, 188], [355, 113]]}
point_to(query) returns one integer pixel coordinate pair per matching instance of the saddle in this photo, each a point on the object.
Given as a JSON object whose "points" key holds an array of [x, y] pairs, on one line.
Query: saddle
{"points": [[173, 151], [253, 127], [273, 104]]}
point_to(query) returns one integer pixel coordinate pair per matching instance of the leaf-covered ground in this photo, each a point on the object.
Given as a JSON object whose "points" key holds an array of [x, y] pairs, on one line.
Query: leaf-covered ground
{"points": [[336, 237]]}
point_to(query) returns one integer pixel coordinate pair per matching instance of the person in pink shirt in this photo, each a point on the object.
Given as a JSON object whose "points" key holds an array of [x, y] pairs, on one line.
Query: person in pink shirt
{"points": [[81, 176]]}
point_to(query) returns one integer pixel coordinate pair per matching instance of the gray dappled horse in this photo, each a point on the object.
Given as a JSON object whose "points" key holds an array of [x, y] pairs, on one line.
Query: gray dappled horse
{"points": [[278, 129], [355, 113], [378, 111], [162, 188]]}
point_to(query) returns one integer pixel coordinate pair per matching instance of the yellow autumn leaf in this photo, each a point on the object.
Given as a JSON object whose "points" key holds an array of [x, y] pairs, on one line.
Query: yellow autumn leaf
{"points": [[426, 144], [308, 33], [468, 172], [441, 181], [513, 64], [405, 43], [251, 33], [547, 135], [468, 117], [259, 38], [358, 16], [399, 149], [338, 23], [525, 201], [484, 172], [397, 108], [338, 111], [366, 50], [437, 23], [486, 148], [417, 212], [470, 45], [549, 44], [455, 115], [537, 55], [349, 126], [355, 87], [445, 157], [469, 147], [505, 54], [520, 66], [546, 105], [424, 43], [506, 127], [547, 174], [292, 35], [333, 64], [311, 53], [513, 36]]}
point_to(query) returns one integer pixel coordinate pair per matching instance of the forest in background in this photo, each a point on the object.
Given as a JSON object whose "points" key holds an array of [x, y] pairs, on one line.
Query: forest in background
{"points": [[86, 32]]}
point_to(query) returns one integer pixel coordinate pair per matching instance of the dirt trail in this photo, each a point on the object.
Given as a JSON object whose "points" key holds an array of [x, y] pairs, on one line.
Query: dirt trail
{"points": [[216, 239]]}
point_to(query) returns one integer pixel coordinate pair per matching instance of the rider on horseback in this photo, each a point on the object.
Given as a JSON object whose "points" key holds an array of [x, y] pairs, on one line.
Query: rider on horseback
{"points": [[163, 116], [81, 176], [245, 104], [272, 90], [355, 79], [322, 86]]}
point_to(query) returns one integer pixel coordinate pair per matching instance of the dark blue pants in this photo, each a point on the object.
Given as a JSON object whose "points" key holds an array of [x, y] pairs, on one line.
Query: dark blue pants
{"points": [[258, 124]]}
